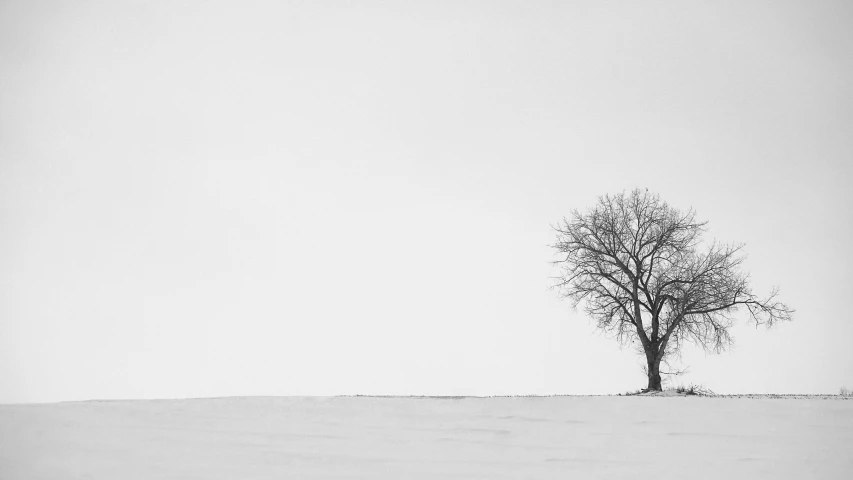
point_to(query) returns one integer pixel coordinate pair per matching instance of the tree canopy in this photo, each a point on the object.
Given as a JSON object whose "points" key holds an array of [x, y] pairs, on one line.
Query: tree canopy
{"points": [[642, 271]]}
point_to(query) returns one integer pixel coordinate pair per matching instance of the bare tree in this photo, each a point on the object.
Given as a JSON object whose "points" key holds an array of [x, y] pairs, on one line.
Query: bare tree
{"points": [[642, 272]]}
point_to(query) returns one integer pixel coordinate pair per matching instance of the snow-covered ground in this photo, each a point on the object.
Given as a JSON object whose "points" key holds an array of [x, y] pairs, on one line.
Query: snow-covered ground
{"points": [[430, 438]]}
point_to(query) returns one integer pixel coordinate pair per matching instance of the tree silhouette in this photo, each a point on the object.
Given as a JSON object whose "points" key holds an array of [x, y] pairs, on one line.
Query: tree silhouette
{"points": [[642, 272]]}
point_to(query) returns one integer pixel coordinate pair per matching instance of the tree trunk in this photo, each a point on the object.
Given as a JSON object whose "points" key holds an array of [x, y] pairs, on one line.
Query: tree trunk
{"points": [[654, 373]]}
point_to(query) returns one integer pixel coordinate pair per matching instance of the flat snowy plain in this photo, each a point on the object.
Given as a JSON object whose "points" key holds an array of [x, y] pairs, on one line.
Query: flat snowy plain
{"points": [[748, 437]]}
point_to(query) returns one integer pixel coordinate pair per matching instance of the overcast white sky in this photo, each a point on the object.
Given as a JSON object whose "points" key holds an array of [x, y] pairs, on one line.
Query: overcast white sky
{"points": [[319, 198]]}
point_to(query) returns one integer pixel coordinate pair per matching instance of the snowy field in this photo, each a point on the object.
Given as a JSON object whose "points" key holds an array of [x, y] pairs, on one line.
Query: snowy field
{"points": [[430, 438]]}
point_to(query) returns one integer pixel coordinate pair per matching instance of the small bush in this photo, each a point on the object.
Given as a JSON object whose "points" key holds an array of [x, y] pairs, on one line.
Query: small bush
{"points": [[693, 390], [845, 392], [637, 392]]}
